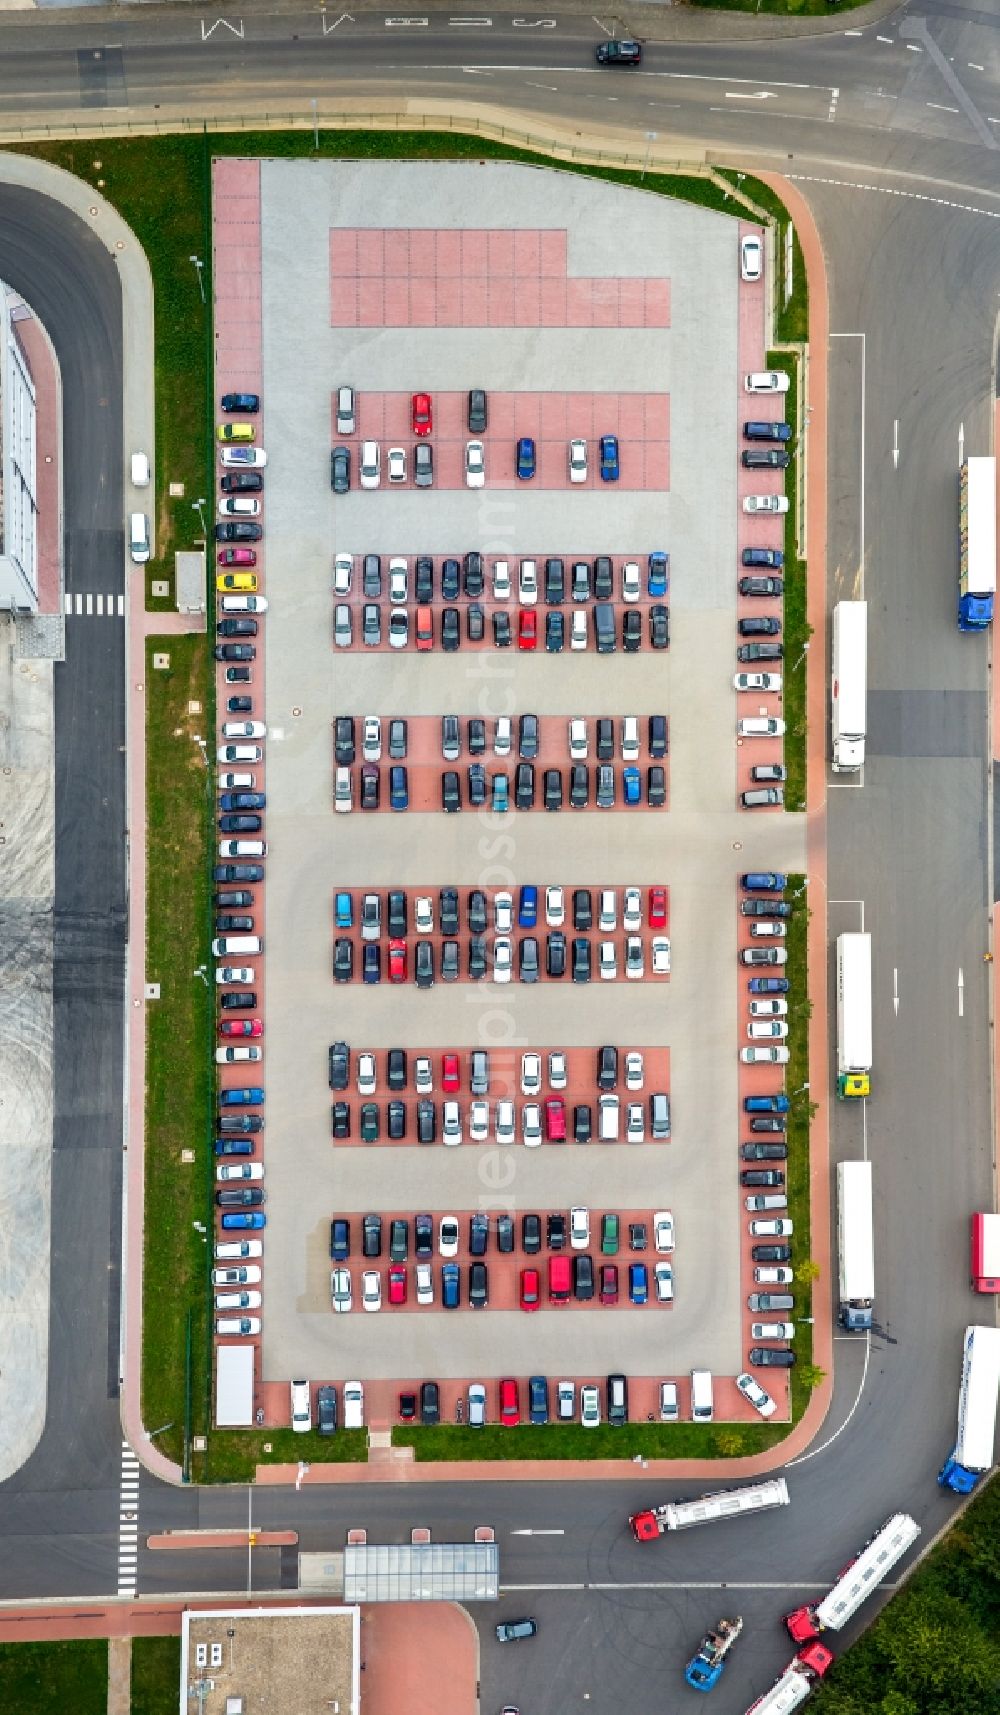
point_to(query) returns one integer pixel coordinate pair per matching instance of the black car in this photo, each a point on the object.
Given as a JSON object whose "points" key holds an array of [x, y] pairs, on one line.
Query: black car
{"points": [[235, 652], [233, 923], [451, 580], [397, 916], [240, 824], [583, 908], [240, 1123], [527, 737], [237, 676], [238, 872], [479, 1234], [555, 1231], [759, 627], [583, 1277], [631, 631], [423, 965], [659, 627], [340, 1065], [605, 739], [604, 578], [477, 958], [243, 626], [472, 575], [341, 1119], [772, 557], [475, 622], [761, 431], [656, 786], [524, 786], [620, 53], [423, 1236], [531, 1234], [343, 959], [555, 954], [477, 737], [448, 908], [396, 1069], [451, 791], [233, 898], [371, 1236], [583, 1123], [761, 586], [369, 787], [399, 1240], [581, 960], [451, 636], [477, 784], [430, 1402], [762, 1176], [478, 1285], [343, 740], [763, 1151], [246, 1197], [580, 581], [771, 1253], [553, 789], [555, 632], [501, 629], [555, 582], [505, 1234], [771, 1358], [240, 705], [426, 1122], [242, 482], [759, 652], [371, 577], [765, 458], [449, 962], [239, 1000], [326, 1410], [397, 740], [477, 911], [423, 579], [768, 1122], [769, 772], [423, 465], [527, 959], [477, 411], [340, 470], [657, 735], [248, 403], [607, 1067], [238, 530], [396, 1121]]}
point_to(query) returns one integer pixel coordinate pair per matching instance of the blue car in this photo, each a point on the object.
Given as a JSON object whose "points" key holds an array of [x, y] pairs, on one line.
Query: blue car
{"points": [[659, 566], [501, 800], [246, 1219], [638, 1282], [630, 782], [241, 402], [763, 881], [242, 801], [769, 985], [609, 458], [527, 908], [538, 1399], [234, 1146], [526, 458], [371, 971], [343, 911], [451, 1289], [766, 1104], [245, 1098], [399, 793]]}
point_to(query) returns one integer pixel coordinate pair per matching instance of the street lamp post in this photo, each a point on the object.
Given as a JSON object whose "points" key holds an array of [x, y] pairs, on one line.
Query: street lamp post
{"points": [[199, 265], [650, 140], [199, 507], [805, 651]]}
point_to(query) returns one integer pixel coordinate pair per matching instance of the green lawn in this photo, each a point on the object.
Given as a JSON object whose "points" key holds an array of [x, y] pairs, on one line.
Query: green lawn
{"points": [[156, 1676], [796, 632], [55, 1678], [781, 8], [232, 1454]]}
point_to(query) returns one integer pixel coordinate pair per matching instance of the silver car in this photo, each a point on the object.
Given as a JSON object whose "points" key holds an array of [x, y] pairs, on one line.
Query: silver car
{"points": [[341, 1295]]}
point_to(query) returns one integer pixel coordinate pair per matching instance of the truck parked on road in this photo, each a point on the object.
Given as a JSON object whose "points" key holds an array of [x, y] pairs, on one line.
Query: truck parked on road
{"points": [[856, 1582], [977, 543], [849, 686], [795, 1684], [985, 1253], [854, 1015], [972, 1453], [726, 1503], [704, 1670], [855, 1245]]}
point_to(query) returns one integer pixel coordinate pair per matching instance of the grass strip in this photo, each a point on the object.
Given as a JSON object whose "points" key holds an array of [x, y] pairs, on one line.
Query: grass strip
{"points": [[233, 1453], [796, 628], [781, 8], [55, 1678], [156, 1675]]}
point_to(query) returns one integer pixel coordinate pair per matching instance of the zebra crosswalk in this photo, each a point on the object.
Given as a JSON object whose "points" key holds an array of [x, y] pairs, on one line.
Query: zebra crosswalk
{"points": [[128, 1523], [99, 606]]}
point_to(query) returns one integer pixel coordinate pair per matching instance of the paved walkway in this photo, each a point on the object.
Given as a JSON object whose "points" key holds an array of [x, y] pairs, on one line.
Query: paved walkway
{"points": [[119, 1676]]}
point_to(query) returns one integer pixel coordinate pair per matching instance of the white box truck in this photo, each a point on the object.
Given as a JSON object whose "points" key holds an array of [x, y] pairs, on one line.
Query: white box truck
{"points": [[854, 1015], [978, 1391], [849, 686], [855, 1245]]}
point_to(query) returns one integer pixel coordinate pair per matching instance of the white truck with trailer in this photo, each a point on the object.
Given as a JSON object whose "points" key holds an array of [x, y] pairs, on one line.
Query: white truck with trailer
{"points": [[856, 1582], [855, 1245], [854, 1015], [726, 1503], [972, 1453], [796, 1683], [849, 686]]}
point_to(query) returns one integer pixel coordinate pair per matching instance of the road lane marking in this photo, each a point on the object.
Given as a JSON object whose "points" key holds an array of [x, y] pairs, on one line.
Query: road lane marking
{"points": [[891, 191], [128, 1522]]}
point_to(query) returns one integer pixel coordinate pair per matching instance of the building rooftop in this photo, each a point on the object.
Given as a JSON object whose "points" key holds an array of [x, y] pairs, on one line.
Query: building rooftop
{"points": [[273, 1661]]}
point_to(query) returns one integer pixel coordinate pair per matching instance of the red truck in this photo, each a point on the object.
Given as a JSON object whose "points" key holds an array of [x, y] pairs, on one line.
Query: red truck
{"points": [[985, 1253]]}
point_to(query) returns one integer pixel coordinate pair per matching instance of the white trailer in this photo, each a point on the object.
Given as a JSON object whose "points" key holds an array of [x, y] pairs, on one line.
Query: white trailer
{"points": [[795, 1684], [854, 1014], [707, 1509], [857, 1582], [234, 1379], [972, 1453], [855, 1244], [849, 686]]}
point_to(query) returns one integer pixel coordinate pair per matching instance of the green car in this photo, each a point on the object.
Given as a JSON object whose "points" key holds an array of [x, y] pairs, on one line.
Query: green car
{"points": [[609, 1235], [369, 1122]]}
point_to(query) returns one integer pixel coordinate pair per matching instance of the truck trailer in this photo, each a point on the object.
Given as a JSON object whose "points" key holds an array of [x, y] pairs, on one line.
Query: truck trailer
{"points": [[977, 543], [854, 1015], [856, 1582], [855, 1245], [725, 1503], [796, 1683], [972, 1453], [984, 1250], [849, 686]]}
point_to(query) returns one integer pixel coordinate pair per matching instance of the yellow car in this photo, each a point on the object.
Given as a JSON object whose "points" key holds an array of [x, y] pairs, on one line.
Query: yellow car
{"points": [[243, 582], [235, 431]]}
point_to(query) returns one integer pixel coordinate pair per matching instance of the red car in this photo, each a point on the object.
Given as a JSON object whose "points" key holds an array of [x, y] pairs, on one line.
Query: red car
{"points": [[527, 629], [657, 908], [609, 1283], [237, 557], [423, 416], [449, 1073], [397, 961], [241, 1027], [555, 1122], [531, 1290], [510, 1403], [397, 1283]]}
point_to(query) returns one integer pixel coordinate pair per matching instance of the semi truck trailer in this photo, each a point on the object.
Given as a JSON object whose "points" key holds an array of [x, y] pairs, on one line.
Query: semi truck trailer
{"points": [[854, 1015], [972, 1453], [855, 1245], [849, 686]]}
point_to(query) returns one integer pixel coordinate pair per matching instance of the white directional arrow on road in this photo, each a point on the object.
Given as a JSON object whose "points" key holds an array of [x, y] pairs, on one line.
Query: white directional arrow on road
{"points": [[756, 95], [895, 444], [961, 992], [961, 443]]}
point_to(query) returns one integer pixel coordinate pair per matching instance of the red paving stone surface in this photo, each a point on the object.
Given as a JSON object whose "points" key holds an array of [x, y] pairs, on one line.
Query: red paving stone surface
{"points": [[48, 470], [407, 1647], [640, 420], [495, 277]]}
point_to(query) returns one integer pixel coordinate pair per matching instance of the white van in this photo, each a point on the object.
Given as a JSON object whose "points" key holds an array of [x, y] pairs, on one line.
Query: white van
{"points": [[668, 1402], [630, 739], [608, 916], [371, 469], [242, 848], [234, 946], [301, 1407], [354, 1405], [608, 1111], [140, 470], [702, 1401], [138, 537]]}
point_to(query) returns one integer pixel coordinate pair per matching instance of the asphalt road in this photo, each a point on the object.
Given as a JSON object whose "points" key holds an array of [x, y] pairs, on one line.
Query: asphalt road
{"points": [[917, 279]]}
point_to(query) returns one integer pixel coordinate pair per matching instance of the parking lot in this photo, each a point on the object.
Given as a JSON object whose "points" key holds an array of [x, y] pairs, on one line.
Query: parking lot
{"points": [[673, 335]]}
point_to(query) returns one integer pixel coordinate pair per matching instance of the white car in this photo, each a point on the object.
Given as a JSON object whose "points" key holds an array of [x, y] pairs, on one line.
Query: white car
{"points": [[399, 628], [231, 1325], [236, 1276], [239, 506], [577, 461], [244, 729], [244, 604], [763, 956], [772, 1330], [343, 791], [345, 411], [608, 962], [506, 1132], [503, 913], [343, 574], [423, 1076], [229, 1055], [371, 1289], [766, 381], [768, 926], [634, 1070], [579, 746], [669, 1411], [448, 1236], [635, 1123], [555, 907], [423, 914], [527, 583], [773, 1276], [751, 258], [244, 458], [502, 959], [765, 1056], [240, 975], [631, 581], [578, 629], [371, 746], [239, 753], [632, 910], [768, 1008], [752, 1391], [475, 464], [236, 782], [425, 1283], [760, 726], [228, 1170], [760, 1029], [557, 1070], [630, 739], [397, 464], [398, 581], [341, 1294], [451, 1123], [371, 464], [757, 681], [765, 503], [565, 1401], [663, 1282], [239, 1248], [501, 747], [501, 580], [531, 1074], [366, 1074], [771, 1229], [531, 1125], [661, 956], [475, 1412], [590, 1406], [579, 1228], [663, 1231], [479, 1122]]}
